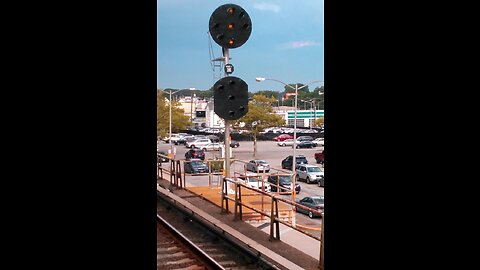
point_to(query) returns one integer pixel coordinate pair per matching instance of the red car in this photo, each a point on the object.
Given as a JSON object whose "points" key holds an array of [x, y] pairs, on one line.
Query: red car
{"points": [[282, 137], [320, 158]]}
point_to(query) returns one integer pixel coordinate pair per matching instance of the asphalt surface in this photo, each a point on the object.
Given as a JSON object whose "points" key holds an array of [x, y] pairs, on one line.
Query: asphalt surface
{"points": [[272, 154]]}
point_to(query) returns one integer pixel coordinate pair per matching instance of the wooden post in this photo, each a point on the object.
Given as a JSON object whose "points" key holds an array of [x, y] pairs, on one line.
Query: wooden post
{"points": [[224, 195], [274, 220], [322, 242]]}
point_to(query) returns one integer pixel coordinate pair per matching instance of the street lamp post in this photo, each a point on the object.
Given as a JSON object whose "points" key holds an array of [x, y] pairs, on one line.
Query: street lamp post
{"points": [[191, 104], [294, 161]]}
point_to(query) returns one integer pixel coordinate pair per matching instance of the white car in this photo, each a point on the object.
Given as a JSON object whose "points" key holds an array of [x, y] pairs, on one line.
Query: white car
{"points": [[175, 137], [211, 147], [309, 173], [200, 143], [319, 141], [254, 181], [287, 142]]}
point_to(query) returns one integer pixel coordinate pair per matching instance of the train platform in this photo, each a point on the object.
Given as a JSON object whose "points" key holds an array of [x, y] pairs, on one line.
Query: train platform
{"points": [[295, 250]]}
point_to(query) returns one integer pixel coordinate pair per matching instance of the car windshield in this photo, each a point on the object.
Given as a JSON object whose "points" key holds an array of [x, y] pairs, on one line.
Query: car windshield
{"points": [[197, 163], [318, 201], [285, 179], [314, 169], [261, 162], [253, 179]]}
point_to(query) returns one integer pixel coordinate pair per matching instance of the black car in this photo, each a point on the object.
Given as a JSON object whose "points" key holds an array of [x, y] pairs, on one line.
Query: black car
{"points": [[195, 166], [214, 138], [315, 202], [162, 157], [287, 162], [284, 181], [234, 144], [305, 138], [305, 144], [195, 153]]}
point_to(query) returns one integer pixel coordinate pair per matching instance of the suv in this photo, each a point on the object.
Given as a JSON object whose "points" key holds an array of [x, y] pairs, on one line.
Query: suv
{"points": [[198, 143], [284, 181], [309, 173], [287, 162], [195, 153]]}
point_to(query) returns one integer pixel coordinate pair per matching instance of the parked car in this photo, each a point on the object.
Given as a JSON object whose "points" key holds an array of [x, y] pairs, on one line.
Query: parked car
{"points": [[321, 182], [162, 156], [254, 181], [183, 138], [305, 144], [309, 173], [198, 143], [195, 166], [211, 147], [287, 142], [195, 153], [213, 138], [319, 141], [234, 144], [319, 157], [287, 162], [305, 138], [285, 183], [283, 137], [257, 165], [315, 202], [175, 137]]}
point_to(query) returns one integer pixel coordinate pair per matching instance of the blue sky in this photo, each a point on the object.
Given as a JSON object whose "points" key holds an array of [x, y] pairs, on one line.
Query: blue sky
{"points": [[286, 44]]}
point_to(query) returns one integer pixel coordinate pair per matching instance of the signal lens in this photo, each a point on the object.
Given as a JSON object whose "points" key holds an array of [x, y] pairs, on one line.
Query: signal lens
{"points": [[231, 41], [230, 26], [231, 10]]}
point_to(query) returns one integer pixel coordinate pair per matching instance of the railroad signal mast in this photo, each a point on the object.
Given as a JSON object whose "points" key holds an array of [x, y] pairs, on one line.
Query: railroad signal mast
{"points": [[230, 27]]}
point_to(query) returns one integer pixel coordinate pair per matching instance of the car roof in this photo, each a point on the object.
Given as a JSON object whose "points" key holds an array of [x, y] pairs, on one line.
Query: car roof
{"points": [[308, 165], [196, 159]]}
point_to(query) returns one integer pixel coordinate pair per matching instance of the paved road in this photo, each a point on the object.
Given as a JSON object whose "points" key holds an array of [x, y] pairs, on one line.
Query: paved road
{"points": [[270, 152]]}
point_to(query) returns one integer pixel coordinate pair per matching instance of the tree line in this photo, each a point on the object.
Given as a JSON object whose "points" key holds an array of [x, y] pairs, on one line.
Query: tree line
{"points": [[279, 98]]}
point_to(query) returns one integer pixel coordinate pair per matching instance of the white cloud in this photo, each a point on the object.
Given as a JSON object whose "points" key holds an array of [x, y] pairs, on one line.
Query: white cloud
{"points": [[266, 6], [301, 44]]}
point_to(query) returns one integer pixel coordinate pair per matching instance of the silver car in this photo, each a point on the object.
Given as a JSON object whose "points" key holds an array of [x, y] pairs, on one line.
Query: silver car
{"points": [[258, 165], [287, 142], [211, 147], [309, 173]]}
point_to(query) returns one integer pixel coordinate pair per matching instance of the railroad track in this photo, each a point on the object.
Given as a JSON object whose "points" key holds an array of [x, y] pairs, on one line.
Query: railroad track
{"points": [[187, 244]]}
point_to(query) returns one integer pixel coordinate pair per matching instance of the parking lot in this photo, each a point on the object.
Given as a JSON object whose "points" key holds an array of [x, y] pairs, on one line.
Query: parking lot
{"points": [[266, 150]]}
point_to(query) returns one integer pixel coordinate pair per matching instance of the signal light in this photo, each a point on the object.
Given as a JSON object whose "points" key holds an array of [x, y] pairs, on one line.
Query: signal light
{"points": [[230, 98], [230, 26]]}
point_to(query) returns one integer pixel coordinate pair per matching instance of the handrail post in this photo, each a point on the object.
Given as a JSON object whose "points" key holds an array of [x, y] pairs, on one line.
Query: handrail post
{"points": [[224, 195], [172, 171], [274, 220], [238, 201]]}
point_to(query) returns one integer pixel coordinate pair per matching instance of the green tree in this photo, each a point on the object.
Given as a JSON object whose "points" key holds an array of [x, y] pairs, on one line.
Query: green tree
{"points": [[319, 121], [179, 120], [260, 116]]}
